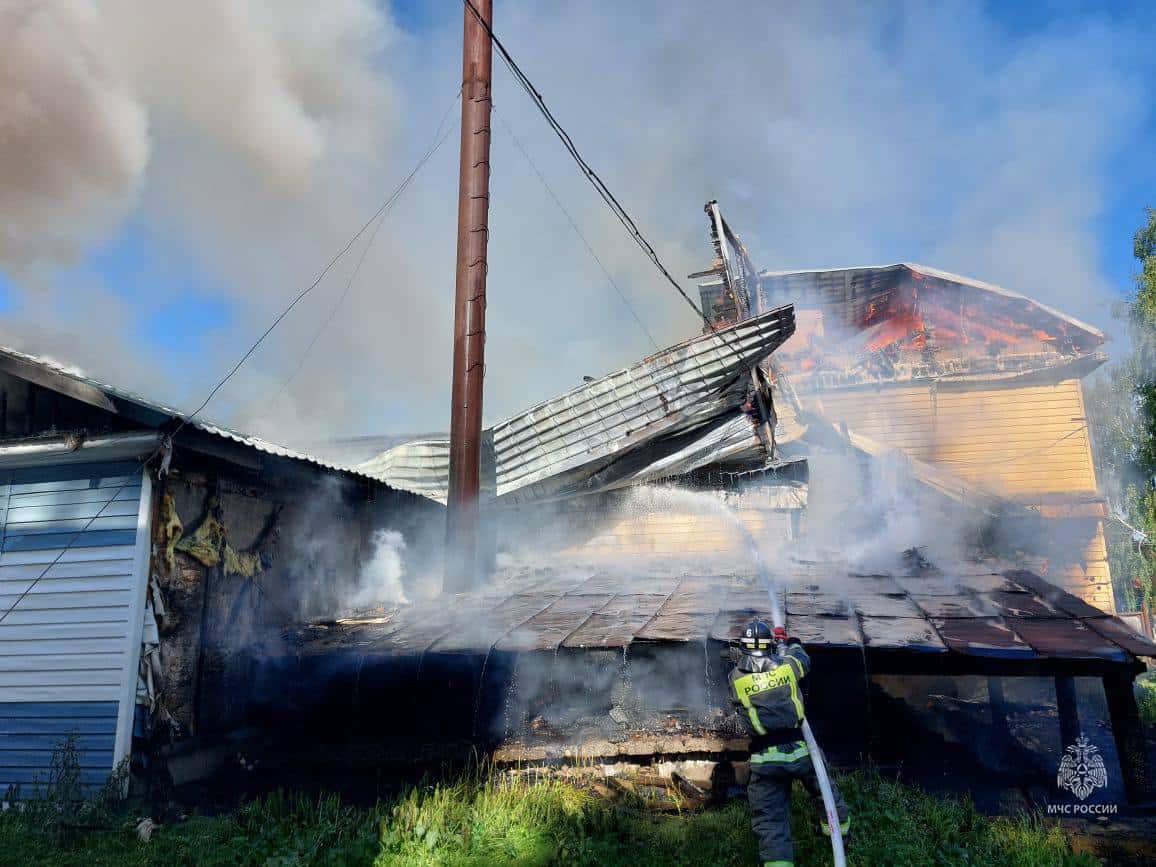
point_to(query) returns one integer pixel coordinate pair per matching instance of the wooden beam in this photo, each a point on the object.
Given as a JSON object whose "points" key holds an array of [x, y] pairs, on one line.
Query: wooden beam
{"points": [[1068, 708], [998, 704], [1128, 732]]}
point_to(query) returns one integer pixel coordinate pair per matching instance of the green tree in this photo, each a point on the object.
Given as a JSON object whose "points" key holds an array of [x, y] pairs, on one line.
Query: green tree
{"points": [[1122, 414]]}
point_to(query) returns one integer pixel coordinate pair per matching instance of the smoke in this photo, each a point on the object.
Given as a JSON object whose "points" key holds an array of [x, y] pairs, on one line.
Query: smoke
{"points": [[74, 138], [381, 576], [244, 143]]}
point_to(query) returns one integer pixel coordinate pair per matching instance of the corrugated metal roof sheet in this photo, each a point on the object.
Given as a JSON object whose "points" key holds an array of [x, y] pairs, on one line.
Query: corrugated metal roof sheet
{"points": [[556, 447], [262, 445]]}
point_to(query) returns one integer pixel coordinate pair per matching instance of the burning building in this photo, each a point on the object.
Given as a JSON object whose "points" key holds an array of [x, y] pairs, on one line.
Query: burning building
{"points": [[902, 391], [976, 389], [199, 582]]}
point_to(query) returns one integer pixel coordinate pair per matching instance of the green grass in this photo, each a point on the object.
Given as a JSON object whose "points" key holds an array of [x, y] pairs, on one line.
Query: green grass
{"points": [[1146, 698], [489, 821]]}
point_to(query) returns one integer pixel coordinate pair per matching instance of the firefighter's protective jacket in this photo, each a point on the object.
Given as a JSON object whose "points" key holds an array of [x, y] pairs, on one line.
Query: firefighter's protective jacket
{"points": [[766, 692]]}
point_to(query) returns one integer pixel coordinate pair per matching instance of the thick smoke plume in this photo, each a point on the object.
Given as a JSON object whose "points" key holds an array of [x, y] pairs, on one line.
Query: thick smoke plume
{"points": [[74, 140], [230, 148]]}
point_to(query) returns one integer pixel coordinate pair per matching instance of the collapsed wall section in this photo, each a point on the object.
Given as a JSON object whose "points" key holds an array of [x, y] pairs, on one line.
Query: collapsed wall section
{"points": [[235, 561]]}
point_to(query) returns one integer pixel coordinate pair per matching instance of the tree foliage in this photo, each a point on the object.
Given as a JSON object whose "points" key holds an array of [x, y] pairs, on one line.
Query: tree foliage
{"points": [[1122, 412]]}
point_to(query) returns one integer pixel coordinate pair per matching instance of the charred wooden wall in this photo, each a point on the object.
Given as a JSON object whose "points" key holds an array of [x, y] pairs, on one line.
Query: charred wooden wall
{"points": [[28, 410], [237, 558]]}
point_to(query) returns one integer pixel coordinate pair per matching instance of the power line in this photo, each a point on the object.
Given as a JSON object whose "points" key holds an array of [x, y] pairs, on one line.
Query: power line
{"points": [[301, 295], [185, 419], [577, 231], [592, 176], [332, 314], [129, 478], [439, 139], [1028, 454]]}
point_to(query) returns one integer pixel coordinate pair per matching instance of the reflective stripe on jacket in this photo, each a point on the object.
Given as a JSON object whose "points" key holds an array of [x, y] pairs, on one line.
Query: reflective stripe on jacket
{"points": [[766, 693]]}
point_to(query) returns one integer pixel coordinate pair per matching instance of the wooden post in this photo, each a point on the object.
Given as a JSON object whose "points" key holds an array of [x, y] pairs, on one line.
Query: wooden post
{"points": [[998, 704], [469, 363], [1128, 732], [1068, 709]]}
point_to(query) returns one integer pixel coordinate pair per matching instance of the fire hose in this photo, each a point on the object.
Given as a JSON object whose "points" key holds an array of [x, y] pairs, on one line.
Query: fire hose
{"points": [[817, 760]]}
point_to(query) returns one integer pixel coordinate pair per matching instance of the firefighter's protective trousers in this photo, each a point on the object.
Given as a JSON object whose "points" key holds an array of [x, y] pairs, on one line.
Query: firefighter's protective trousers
{"points": [[769, 792]]}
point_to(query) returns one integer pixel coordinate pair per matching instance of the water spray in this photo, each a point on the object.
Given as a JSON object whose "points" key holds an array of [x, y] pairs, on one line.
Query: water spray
{"points": [[817, 761], [712, 504]]}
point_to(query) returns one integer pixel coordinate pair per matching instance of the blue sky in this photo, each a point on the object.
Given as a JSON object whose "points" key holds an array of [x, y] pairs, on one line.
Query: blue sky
{"points": [[1131, 184], [194, 256]]}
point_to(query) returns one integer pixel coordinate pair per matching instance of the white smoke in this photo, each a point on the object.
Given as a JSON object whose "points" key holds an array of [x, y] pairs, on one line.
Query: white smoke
{"points": [[90, 88], [380, 582], [74, 139], [251, 139]]}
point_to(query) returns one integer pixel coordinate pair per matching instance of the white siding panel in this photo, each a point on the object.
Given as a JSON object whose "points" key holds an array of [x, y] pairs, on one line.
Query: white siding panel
{"points": [[82, 569], [72, 555], [70, 678], [51, 646], [41, 599], [69, 642], [66, 498], [16, 633], [79, 584], [50, 693], [114, 480], [78, 661], [62, 617]]}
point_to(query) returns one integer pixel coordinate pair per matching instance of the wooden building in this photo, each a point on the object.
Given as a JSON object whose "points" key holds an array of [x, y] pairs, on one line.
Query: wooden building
{"points": [[139, 553], [979, 385]]}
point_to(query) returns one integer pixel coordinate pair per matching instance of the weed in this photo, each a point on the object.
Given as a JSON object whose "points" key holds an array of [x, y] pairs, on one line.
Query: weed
{"points": [[1146, 697], [488, 819]]}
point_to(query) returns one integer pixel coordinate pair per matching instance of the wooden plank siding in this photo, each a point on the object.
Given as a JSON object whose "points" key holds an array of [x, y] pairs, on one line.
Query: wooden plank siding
{"points": [[1029, 444]]}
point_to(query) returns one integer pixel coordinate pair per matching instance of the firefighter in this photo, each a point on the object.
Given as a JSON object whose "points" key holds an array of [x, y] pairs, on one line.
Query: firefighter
{"points": [[765, 691]]}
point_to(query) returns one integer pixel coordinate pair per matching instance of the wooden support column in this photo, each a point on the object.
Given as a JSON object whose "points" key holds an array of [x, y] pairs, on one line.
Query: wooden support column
{"points": [[998, 704], [1128, 732], [1068, 709]]}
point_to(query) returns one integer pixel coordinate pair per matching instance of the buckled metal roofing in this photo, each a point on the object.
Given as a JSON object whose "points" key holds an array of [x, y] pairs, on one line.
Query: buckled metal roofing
{"points": [[593, 436]]}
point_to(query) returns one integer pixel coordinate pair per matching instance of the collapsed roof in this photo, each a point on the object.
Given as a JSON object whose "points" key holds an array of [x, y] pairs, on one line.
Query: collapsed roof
{"points": [[667, 414], [910, 321], [970, 309]]}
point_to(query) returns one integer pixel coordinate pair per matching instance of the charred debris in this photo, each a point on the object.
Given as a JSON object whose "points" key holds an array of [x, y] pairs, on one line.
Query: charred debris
{"points": [[825, 422]]}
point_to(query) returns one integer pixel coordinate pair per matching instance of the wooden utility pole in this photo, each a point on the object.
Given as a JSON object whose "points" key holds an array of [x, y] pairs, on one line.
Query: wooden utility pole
{"points": [[470, 301]]}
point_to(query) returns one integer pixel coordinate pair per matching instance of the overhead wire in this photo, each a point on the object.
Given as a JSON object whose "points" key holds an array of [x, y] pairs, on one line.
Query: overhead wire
{"points": [[385, 205], [591, 175], [622, 215], [439, 140], [577, 231], [600, 186], [185, 419], [1021, 456]]}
